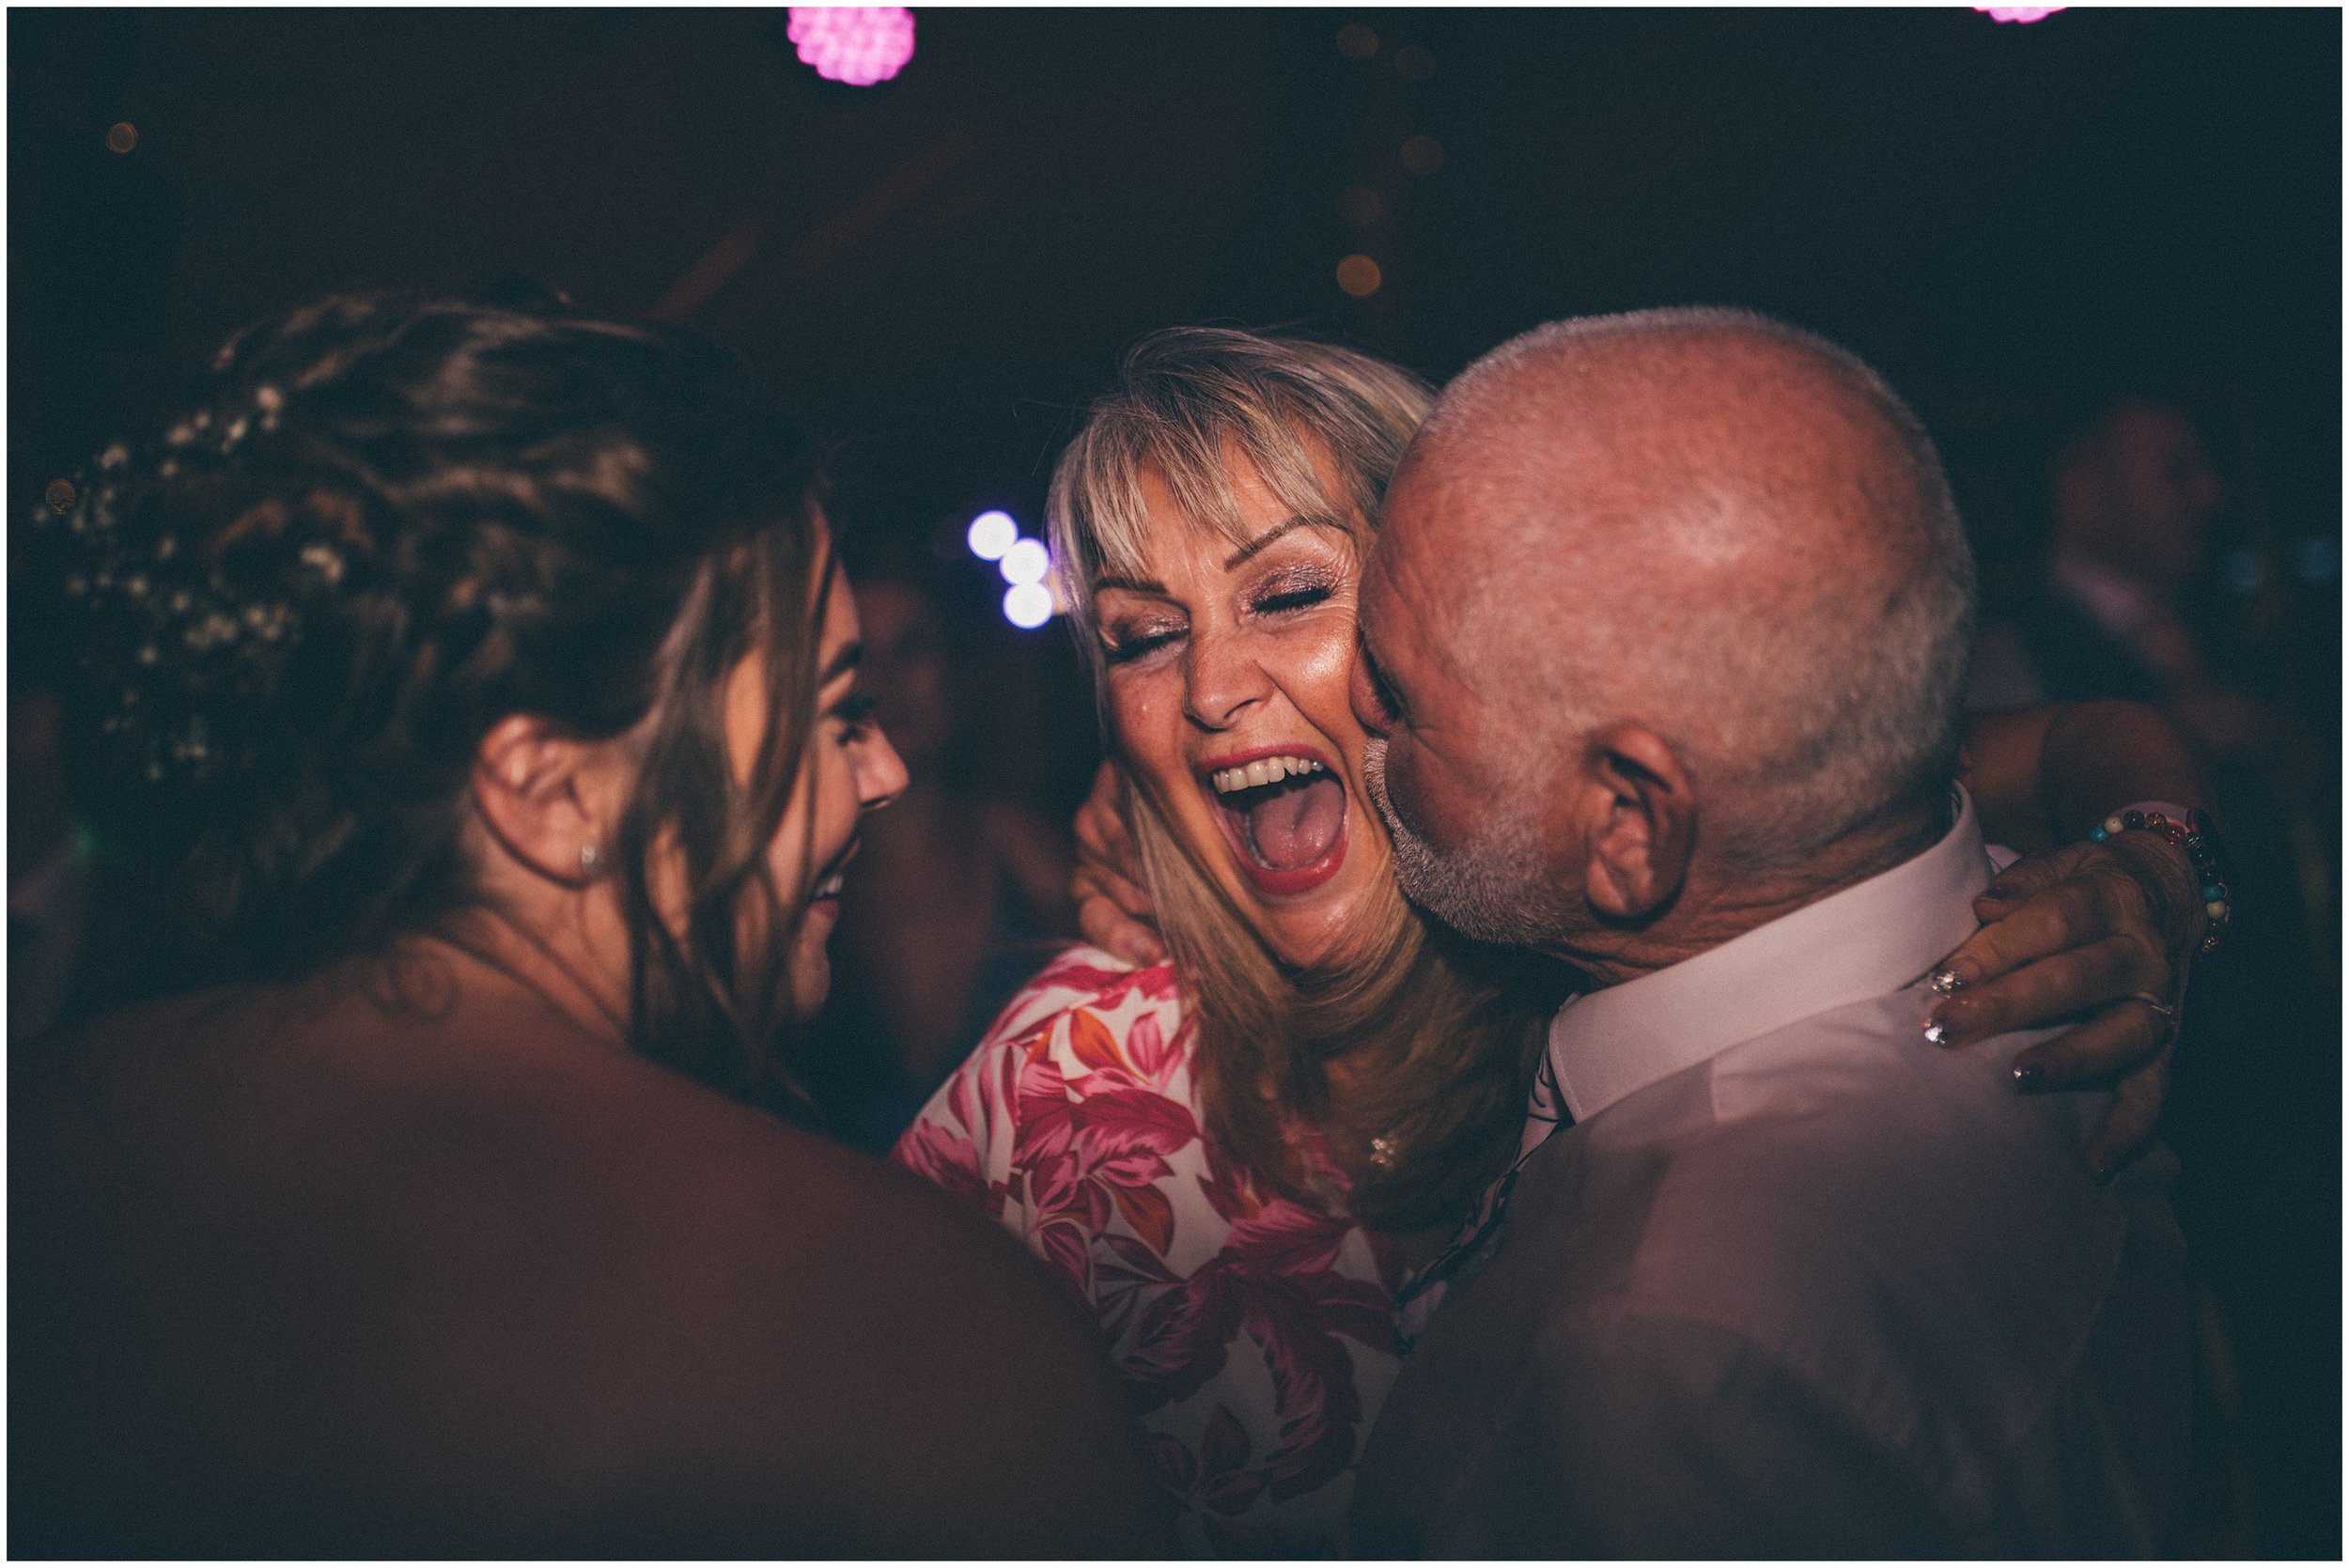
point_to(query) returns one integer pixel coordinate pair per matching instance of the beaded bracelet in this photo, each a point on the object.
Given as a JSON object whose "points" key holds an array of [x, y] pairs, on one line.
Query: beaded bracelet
{"points": [[2193, 831]]}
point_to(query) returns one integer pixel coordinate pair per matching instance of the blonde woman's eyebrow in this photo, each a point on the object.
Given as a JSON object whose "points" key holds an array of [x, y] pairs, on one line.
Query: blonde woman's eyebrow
{"points": [[1275, 532], [1150, 586]]}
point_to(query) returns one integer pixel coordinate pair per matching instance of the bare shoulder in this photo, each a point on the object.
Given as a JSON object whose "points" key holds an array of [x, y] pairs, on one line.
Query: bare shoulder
{"points": [[639, 1316], [922, 1380], [845, 1360]]}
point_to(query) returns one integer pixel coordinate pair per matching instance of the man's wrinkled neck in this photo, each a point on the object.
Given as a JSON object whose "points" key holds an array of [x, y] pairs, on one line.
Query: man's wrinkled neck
{"points": [[1718, 903]]}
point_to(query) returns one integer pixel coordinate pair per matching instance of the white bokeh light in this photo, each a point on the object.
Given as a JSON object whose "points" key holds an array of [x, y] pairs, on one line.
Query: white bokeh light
{"points": [[1026, 562], [991, 534], [1027, 605]]}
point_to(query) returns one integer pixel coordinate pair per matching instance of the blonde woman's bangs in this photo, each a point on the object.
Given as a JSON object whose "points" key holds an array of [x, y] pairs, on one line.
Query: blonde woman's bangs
{"points": [[1105, 507], [1305, 416]]}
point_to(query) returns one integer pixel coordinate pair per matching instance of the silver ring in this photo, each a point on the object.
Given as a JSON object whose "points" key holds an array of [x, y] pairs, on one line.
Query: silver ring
{"points": [[2155, 1002]]}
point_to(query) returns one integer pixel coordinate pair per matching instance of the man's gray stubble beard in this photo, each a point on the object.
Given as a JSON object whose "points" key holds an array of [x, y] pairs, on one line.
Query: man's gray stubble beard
{"points": [[1492, 889]]}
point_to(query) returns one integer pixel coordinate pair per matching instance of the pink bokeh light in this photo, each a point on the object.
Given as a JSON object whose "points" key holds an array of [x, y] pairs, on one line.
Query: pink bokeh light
{"points": [[2018, 13], [856, 45]]}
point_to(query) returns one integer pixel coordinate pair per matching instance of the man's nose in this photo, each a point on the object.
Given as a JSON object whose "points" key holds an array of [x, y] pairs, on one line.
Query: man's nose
{"points": [[1222, 679]]}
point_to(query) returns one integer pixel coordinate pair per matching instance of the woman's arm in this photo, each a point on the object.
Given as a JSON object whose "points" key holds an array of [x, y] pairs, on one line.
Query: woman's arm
{"points": [[2045, 776], [2085, 925], [1112, 909]]}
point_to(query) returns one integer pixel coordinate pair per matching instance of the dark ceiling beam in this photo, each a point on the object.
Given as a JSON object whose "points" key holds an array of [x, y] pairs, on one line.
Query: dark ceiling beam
{"points": [[725, 259]]}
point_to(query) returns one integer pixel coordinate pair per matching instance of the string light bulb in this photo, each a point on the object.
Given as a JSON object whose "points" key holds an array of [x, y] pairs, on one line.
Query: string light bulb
{"points": [[856, 45]]}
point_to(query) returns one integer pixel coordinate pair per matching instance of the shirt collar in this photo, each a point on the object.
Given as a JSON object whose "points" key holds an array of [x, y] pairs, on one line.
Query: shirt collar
{"points": [[1867, 940]]}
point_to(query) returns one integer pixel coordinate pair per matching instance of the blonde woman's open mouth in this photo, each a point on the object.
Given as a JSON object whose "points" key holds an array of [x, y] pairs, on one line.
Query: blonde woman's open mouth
{"points": [[1282, 808]]}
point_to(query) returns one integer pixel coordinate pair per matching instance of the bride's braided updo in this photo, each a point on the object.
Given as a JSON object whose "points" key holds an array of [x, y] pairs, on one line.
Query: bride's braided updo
{"points": [[394, 521]]}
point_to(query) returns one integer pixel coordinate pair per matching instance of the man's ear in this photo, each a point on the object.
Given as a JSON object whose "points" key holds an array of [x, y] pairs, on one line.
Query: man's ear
{"points": [[543, 798], [1640, 822]]}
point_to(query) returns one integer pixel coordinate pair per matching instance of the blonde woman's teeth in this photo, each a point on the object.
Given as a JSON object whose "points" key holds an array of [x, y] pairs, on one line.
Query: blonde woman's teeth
{"points": [[1262, 771]]}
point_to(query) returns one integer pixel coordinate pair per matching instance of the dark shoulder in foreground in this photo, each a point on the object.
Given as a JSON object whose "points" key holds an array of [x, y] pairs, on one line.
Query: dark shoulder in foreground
{"points": [[292, 1283]]}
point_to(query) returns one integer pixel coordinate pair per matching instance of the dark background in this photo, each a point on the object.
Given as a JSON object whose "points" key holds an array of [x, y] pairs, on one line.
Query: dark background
{"points": [[2010, 221]]}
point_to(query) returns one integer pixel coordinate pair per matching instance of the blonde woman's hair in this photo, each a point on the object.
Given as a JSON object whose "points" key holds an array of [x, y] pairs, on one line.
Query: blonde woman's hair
{"points": [[1438, 1036]]}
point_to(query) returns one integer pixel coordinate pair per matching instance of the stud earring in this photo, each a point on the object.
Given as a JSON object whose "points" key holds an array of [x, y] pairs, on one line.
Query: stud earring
{"points": [[590, 859]]}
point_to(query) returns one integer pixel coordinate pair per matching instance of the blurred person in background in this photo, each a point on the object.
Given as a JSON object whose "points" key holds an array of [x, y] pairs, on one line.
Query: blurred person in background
{"points": [[486, 679], [2126, 602], [2131, 499], [960, 894]]}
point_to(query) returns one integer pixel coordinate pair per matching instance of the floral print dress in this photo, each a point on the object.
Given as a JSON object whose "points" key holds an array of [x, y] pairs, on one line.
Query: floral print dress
{"points": [[1256, 1334]]}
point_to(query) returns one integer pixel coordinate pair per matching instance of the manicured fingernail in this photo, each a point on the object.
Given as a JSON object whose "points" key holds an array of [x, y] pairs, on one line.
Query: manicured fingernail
{"points": [[2030, 1076], [1935, 1031], [1945, 982]]}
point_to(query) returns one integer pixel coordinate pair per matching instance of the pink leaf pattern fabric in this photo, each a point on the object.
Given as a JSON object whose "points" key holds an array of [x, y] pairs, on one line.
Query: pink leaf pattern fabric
{"points": [[1256, 1334]]}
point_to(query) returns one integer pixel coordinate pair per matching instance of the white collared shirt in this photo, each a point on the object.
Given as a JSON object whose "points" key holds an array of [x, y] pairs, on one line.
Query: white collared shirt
{"points": [[1879, 936], [1798, 1282]]}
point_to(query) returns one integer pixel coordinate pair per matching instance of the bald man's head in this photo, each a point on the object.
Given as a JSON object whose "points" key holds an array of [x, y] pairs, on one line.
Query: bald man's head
{"points": [[1702, 522]]}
